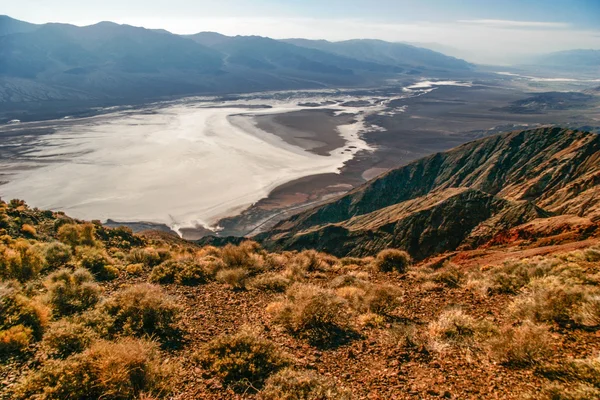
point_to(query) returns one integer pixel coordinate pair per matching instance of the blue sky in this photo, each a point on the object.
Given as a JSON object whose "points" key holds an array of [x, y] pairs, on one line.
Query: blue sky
{"points": [[493, 31]]}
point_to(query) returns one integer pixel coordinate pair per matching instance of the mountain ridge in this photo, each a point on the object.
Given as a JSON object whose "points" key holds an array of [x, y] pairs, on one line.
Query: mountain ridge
{"points": [[502, 181]]}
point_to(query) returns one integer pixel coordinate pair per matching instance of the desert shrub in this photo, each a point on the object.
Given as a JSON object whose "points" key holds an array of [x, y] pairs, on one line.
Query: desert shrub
{"points": [[354, 296], [97, 262], [313, 313], [107, 370], [587, 314], [69, 234], [449, 276], [521, 346], [21, 261], [271, 282], [371, 320], [555, 391], [28, 230], [243, 256], [382, 299], [549, 300], [18, 309], [72, 292], [237, 278], [583, 370], [456, 328], [362, 262], [15, 340], [290, 384], [392, 260], [148, 256], [87, 234], [134, 269], [592, 254], [311, 261], [186, 271], [244, 360], [142, 310], [348, 280], [57, 255], [65, 338]]}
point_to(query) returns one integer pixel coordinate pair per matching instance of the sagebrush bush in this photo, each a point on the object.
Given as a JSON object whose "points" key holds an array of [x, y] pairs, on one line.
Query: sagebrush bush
{"points": [[65, 338], [243, 360], [392, 260], [237, 278], [18, 309], [97, 262], [57, 254], [313, 313], [107, 370], [142, 310], [290, 384], [271, 282], [521, 346], [72, 292], [15, 340]]}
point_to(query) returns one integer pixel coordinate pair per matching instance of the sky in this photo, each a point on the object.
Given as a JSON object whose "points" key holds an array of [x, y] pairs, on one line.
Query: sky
{"points": [[484, 31]]}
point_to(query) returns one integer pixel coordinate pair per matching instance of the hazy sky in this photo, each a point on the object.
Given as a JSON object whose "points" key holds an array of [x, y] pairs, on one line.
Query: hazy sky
{"points": [[480, 30]]}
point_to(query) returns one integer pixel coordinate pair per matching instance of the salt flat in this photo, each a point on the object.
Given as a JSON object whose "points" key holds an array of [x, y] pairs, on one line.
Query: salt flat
{"points": [[182, 165]]}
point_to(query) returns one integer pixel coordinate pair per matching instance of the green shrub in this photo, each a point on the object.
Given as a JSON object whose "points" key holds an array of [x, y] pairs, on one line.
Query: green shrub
{"points": [[392, 260], [244, 360], [15, 340], [72, 292], [313, 313], [142, 310], [290, 384], [65, 338], [107, 370]]}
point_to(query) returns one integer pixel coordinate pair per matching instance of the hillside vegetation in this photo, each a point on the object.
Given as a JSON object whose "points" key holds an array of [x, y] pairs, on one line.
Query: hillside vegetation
{"points": [[90, 312]]}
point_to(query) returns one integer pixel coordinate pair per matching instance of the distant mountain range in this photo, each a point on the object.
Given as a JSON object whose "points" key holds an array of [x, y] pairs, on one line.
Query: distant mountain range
{"points": [[111, 61], [571, 61], [527, 185]]}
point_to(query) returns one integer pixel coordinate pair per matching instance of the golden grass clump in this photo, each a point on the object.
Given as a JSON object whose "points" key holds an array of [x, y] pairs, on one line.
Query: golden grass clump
{"points": [[313, 313], [118, 370], [291, 384], [236, 278], [72, 292], [28, 230], [243, 360], [389, 260]]}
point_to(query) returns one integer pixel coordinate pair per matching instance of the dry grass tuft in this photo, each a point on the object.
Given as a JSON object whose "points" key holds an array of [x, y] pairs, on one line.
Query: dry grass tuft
{"points": [[525, 345], [271, 282], [72, 292], [455, 328], [15, 340], [236, 278], [65, 338]]}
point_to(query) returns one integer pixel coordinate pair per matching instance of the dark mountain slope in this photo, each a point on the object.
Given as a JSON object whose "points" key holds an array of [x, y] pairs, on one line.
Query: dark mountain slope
{"points": [[511, 179]]}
